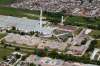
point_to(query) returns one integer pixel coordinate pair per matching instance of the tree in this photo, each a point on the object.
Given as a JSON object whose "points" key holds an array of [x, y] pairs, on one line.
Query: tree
{"points": [[5, 45], [41, 52], [17, 48], [18, 56], [31, 33], [22, 33], [32, 64], [92, 45], [84, 42], [37, 34], [46, 51], [38, 52], [53, 54], [4, 58], [13, 28], [2, 42]]}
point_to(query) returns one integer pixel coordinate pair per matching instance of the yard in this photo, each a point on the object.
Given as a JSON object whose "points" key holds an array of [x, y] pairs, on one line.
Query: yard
{"points": [[34, 14], [6, 1], [95, 34], [4, 52], [2, 35], [98, 44], [18, 12]]}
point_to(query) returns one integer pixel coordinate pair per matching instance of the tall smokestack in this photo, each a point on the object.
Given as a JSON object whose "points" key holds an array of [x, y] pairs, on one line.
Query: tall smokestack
{"points": [[41, 12], [62, 20]]}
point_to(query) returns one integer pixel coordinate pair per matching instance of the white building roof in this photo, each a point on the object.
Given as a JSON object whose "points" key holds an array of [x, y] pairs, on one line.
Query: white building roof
{"points": [[24, 24]]}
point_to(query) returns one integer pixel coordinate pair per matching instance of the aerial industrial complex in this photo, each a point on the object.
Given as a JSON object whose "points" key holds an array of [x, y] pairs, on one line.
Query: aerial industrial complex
{"points": [[49, 33]]}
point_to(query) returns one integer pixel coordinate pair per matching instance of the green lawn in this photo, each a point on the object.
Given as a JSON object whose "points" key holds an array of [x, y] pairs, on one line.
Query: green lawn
{"points": [[95, 33], [34, 14], [6, 1], [98, 44], [19, 12], [4, 52], [2, 35]]}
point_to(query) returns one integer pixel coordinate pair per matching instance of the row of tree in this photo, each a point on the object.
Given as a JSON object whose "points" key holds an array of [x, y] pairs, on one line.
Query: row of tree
{"points": [[53, 54], [16, 31]]}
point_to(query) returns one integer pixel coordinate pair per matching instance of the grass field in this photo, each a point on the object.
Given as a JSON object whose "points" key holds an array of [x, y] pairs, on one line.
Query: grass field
{"points": [[4, 52], [2, 35], [98, 44], [5, 1], [33, 14], [95, 33], [18, 12], [8, 50]]}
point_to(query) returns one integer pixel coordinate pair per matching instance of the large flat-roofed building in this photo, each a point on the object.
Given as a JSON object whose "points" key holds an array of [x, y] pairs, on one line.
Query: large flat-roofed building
{"points": [[25, 24]]}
